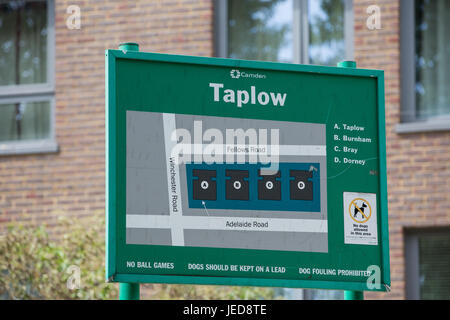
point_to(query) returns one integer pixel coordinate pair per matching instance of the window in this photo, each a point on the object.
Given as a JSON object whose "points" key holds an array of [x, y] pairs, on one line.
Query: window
{"points": [[293, 31], [425, 65], [260, 30], [26, 82], [427, 262]]}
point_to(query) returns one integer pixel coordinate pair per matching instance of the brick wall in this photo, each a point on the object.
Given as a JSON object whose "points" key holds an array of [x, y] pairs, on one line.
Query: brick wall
{"points": [[418, 164]]}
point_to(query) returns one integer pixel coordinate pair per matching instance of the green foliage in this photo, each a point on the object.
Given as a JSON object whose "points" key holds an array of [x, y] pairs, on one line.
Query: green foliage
{"points": [[35, 266], [192, 292], [32, 266]]}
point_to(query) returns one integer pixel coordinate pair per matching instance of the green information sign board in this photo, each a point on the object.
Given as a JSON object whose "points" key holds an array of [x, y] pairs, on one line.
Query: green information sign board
{"points": [[235, 172]]}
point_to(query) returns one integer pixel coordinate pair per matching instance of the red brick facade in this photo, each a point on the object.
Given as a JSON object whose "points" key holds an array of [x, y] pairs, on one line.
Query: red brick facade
{"points": [[36, 189]]}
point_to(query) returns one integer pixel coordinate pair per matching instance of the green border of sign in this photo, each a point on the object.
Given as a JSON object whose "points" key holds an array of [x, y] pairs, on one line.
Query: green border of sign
{"points": [[111, 152]]}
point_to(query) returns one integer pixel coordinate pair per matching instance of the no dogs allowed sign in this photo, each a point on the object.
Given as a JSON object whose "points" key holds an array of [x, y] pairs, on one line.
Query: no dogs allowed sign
{"points": [[360, 218]]}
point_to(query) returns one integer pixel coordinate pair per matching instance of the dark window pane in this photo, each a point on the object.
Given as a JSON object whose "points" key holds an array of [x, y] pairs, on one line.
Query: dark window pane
{"points": [[25, 121], [434, 267], [432, 58], [23, 42], [326, 31], [260, 30]]}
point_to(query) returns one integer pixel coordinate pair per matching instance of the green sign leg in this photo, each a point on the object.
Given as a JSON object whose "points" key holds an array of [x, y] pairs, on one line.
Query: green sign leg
{"points": [[129, 291], [353, 295]]}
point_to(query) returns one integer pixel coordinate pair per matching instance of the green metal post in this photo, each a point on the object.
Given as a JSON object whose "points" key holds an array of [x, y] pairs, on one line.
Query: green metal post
{"points": [[351, 295], [129, 291], [347, 64], [129, 46]]}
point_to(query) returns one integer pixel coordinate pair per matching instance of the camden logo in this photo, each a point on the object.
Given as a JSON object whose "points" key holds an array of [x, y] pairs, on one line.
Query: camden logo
{"points": [[235, 74]]}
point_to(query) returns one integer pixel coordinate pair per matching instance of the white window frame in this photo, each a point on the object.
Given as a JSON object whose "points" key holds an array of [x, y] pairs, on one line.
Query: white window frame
{"points": [[409, 122], [300, 30], [35, 93]]}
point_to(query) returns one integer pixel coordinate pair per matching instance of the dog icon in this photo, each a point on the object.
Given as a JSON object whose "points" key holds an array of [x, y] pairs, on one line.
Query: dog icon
{"points": [[359, 210]]}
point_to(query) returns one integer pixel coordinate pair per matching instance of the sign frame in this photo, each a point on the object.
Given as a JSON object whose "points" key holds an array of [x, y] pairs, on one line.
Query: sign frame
{"points": [[112, 151]]}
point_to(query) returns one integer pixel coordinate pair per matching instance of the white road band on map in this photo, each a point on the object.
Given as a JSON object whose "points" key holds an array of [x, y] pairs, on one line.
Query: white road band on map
{"points": [[173, 181], [249, 149], [226, 223]]}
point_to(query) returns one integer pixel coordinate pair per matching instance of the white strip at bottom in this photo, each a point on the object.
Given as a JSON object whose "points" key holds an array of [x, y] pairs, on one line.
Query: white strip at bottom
{"points": [[226, 223]]}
